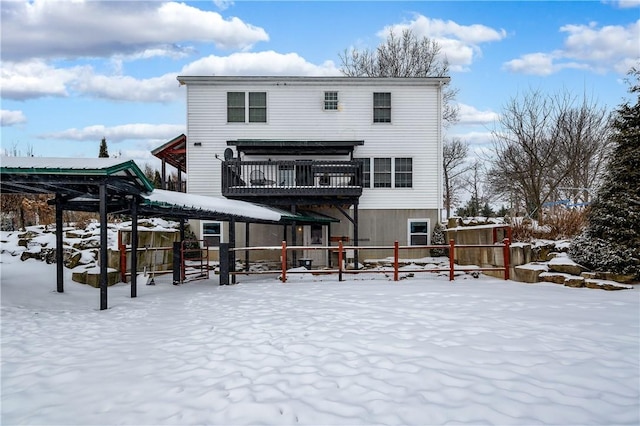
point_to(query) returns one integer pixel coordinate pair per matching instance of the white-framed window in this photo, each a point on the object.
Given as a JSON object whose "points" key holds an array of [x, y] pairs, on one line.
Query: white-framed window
{"points": [[382, 107], [331, 101], [382, 172], [212, 233], [418, 232], [245, 107], [403, 173], [366, 171], [235, 107]]}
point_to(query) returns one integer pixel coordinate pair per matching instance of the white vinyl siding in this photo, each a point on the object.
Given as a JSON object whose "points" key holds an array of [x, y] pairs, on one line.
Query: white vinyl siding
{"points": [[294, 114]]}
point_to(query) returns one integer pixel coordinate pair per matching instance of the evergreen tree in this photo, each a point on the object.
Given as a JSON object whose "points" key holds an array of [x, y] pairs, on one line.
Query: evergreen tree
{"points": [[438, 238], [611, 241], [104, 151]]}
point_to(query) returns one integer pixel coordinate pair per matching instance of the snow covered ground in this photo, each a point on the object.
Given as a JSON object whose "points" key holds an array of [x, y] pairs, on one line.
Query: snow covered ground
{"points": [[316, 351]]}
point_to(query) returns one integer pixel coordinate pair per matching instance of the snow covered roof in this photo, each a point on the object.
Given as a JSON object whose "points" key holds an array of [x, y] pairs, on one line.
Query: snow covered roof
{"points": [[200, 206]]}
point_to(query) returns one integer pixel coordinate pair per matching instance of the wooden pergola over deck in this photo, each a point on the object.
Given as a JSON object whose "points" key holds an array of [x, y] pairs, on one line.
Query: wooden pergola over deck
{"points": [[173, 153]]}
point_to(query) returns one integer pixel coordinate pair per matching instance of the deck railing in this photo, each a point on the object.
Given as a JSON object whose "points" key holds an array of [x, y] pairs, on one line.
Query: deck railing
{"points": [[289, 177]]}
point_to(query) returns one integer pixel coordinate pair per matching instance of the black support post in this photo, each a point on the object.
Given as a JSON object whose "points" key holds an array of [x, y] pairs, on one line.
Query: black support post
{"points": [[232, 245], [103, 246], [59, 246], [246, 244], [134, 247], [224, 263], [355, 235]]}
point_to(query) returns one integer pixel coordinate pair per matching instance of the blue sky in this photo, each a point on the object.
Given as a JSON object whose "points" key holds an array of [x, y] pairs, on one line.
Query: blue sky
{"points": [[75, 72]]}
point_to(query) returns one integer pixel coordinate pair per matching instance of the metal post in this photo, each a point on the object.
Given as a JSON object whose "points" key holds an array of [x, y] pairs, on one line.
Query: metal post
{"points": [[340, 257], [283, 260], [224, 263], [356, 263], [103, 246], [134, 247], [232, 245], [59, 246], [246, 244], [395, 260]]}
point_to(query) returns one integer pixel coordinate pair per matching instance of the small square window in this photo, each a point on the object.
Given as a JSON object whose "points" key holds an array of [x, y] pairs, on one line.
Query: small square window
{"points": [[331, 101]]}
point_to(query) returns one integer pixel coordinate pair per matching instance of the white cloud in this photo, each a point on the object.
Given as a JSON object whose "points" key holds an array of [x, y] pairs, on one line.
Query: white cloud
{"points": [[481, 138], [459, 43], [71, 29], [125, 88], [599, 49], [160, 132], [223, 4], [627, 4], [34, 79], [259, 63], [468, 114], [11, 118]]}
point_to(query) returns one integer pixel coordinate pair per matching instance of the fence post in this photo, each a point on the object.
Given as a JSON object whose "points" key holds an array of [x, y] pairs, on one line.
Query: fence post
{"points": [[340, 256], [283, 257], [224, 263], [395, 260], [123, 262], [451, 258], [507, 258]]}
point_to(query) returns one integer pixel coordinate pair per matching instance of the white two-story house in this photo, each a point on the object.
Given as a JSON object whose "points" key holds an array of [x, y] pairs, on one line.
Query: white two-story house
{"points": [[359, 158]]}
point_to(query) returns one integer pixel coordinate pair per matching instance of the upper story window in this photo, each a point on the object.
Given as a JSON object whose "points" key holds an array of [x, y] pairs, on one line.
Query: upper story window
{"points": [[382, 172], [235, 107], [257, 107], [403, 173], [330, 101], [237, 111], [382, 107]]}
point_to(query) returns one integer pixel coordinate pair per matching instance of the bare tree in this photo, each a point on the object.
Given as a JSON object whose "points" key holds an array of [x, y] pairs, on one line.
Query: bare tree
{"points": [[454, 155], [586, 129], [403, 56], [541, 141]]}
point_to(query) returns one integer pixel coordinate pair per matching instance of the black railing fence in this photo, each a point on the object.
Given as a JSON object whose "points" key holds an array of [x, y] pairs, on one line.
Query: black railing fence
{"points": [[289, 177]]}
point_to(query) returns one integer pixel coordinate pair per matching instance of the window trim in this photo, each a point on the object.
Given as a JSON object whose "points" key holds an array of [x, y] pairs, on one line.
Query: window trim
{"points": [[409, 233]]}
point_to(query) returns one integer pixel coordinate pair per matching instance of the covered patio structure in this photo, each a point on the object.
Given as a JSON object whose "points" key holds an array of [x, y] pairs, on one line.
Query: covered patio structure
{"points": [[116, 186]]}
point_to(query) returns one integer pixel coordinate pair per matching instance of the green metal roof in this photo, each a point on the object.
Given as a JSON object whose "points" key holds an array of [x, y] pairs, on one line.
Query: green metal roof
{"points": [[35, 171]]}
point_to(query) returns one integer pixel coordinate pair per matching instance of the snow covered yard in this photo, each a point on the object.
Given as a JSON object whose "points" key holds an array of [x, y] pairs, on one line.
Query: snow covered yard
{"points": [[317, 351]]}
